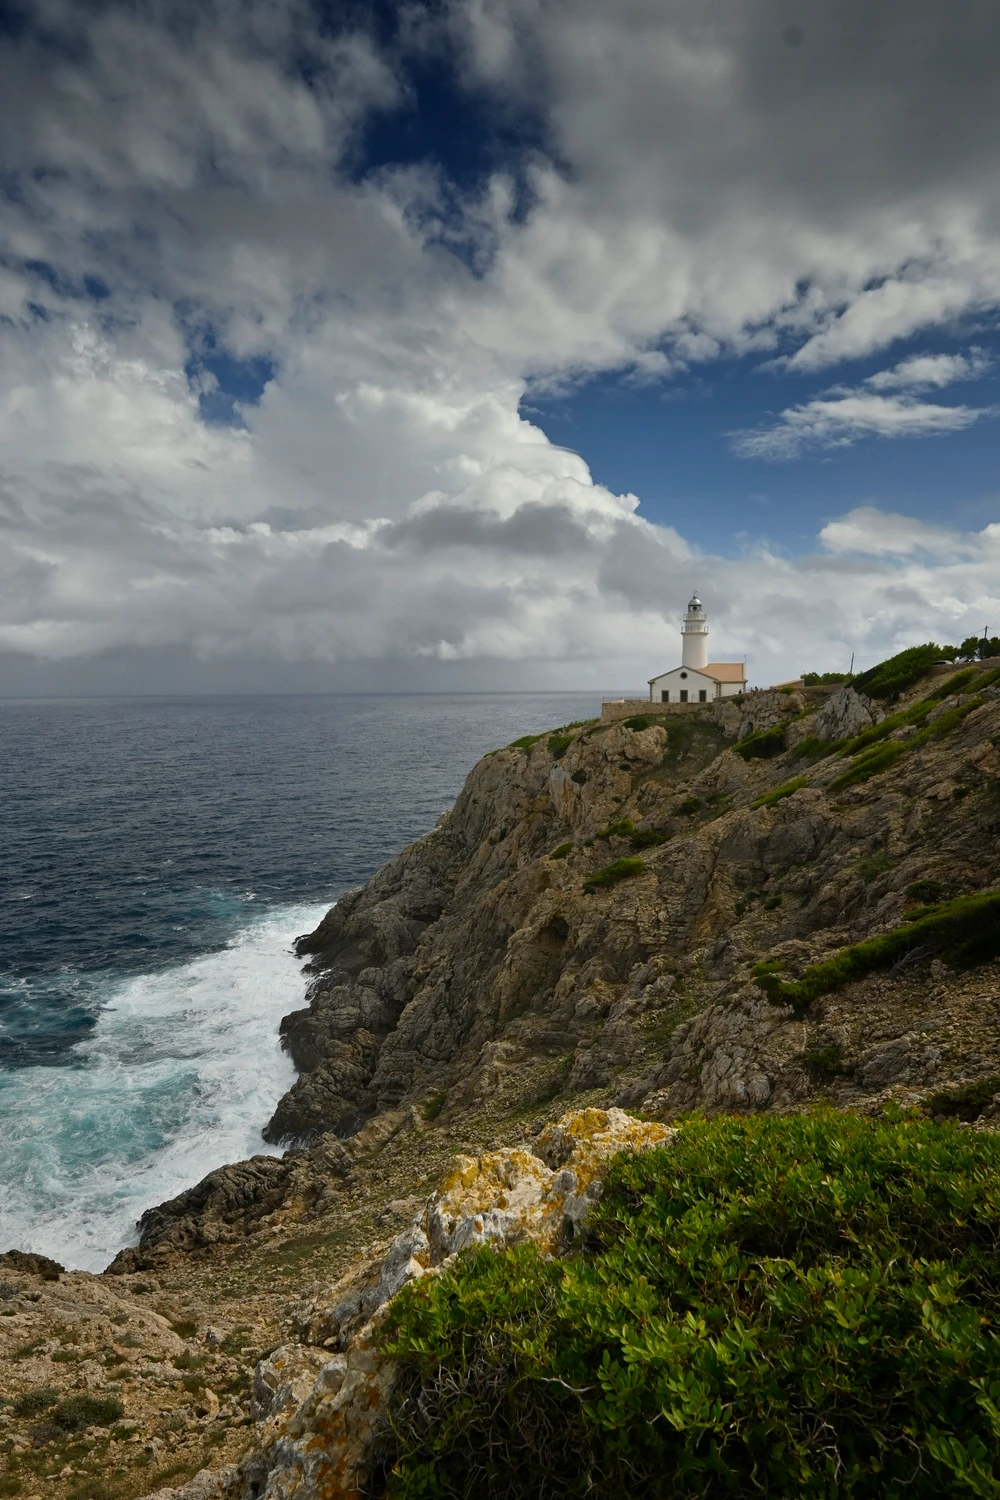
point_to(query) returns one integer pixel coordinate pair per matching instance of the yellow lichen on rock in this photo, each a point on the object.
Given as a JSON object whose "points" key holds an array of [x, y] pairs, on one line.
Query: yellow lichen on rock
{"points": [[320, 1449]]}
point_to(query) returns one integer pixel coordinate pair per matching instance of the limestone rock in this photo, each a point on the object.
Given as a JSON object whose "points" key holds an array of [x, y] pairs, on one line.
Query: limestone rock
{"points": [[317, 1445], [845, 714]]}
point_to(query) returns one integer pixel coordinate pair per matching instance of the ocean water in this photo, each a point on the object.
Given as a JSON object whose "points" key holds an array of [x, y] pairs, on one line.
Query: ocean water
{"points": [[159, 856]]}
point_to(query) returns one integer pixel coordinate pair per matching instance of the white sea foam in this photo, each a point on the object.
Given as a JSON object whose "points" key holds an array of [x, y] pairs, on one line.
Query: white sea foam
{"points": [[178, 1077]]}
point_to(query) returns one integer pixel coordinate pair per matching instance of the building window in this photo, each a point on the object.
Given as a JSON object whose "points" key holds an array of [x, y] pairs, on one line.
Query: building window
{"points": [[665, 696], [702, 695], [684, 675], [684, 695]]}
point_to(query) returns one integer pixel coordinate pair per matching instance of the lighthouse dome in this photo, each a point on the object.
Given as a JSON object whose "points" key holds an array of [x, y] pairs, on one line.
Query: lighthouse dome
{"points": [[695, 603]]}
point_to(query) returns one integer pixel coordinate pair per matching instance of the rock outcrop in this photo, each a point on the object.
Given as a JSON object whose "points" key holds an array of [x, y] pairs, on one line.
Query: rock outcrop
{"points": [[320, 1427]]}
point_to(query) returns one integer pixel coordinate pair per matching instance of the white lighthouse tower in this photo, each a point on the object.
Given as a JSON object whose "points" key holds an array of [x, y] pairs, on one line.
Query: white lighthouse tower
{"points": [[697, 680], [694, 636]]}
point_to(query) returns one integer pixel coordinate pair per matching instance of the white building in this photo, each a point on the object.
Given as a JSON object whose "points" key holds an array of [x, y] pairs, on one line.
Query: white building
{"points": [[697, 680]]}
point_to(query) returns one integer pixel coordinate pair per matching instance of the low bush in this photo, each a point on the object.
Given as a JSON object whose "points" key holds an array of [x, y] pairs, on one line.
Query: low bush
{"points": [[637, 721], [764, 743], [872, 866], [621, 869], [872, 763], [559, 744], [563, 850], [434, 1105], [525, 742], [688, 806], [787, 1306], [811, 747], [823, 1063], [890, 678], [966, 1102], [965, 931], [768, 799], [647, 838], [78, 1412], [824, 679], [185, 1328], [927, 892], [33, 1403]]}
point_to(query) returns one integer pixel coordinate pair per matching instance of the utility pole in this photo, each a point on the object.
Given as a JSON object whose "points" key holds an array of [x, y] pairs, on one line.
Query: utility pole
{"points": [[850, 670]]}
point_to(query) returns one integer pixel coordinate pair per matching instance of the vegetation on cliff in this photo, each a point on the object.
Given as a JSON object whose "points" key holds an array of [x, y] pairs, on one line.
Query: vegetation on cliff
{"points": [[787, 1306]]}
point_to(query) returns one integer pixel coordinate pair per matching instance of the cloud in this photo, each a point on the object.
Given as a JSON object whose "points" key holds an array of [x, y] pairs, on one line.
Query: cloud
{"points": [[838, 421], [695, 188], [878, 533], [924, 372]]}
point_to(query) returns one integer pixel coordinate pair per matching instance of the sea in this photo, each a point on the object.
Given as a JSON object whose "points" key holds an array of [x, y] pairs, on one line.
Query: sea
{"points": [[158, 857]]}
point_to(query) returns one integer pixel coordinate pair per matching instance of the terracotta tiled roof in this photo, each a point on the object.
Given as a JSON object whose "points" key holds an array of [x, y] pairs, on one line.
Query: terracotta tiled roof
{"points": [[725, 671]]}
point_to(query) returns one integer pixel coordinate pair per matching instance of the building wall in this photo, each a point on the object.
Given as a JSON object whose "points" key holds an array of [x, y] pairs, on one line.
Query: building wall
{"points": [[680, 679]]}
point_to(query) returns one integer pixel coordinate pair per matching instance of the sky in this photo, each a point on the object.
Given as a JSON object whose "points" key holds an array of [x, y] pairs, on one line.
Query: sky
{"points": [[450, 345]]}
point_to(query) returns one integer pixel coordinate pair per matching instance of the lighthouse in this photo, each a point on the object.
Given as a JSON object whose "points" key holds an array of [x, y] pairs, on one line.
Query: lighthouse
{"points": [[697, 680], [694, 636]]}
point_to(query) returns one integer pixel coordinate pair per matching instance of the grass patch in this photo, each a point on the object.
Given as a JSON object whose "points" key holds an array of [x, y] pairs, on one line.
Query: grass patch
{"points": [[613, 874], [434, 1105], [768, 799], [764, 744], [872, 866], [688, 806], [877, 757], [966, 1101], [185, 1328], [526, 741], [965, 931], [785, 1306], [637, 722], [559, 744], [563, 850]]}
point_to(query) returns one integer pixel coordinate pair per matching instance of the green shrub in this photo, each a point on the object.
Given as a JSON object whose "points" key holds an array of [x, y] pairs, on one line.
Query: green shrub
{"points": [[954, 683], [890, 678], [879, 758], [647, 838], [823, 1063], [873, 865], [621, 869], [624, 828], [33, 1403], [78, 1412], [559, 744], [637, 721], [764, 743], [688, 806], [434, 1105], [563, 850], [966, 931], [771, 903], [526, 741], [966, 1102], [811, 746], [768, 799], [926, 891], [797, 1306], [824, 679], [185, 1328]]}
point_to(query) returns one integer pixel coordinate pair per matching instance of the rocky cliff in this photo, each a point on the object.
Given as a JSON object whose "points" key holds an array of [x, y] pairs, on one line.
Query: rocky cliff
{"points": [[485, 968], [750, 906]]}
